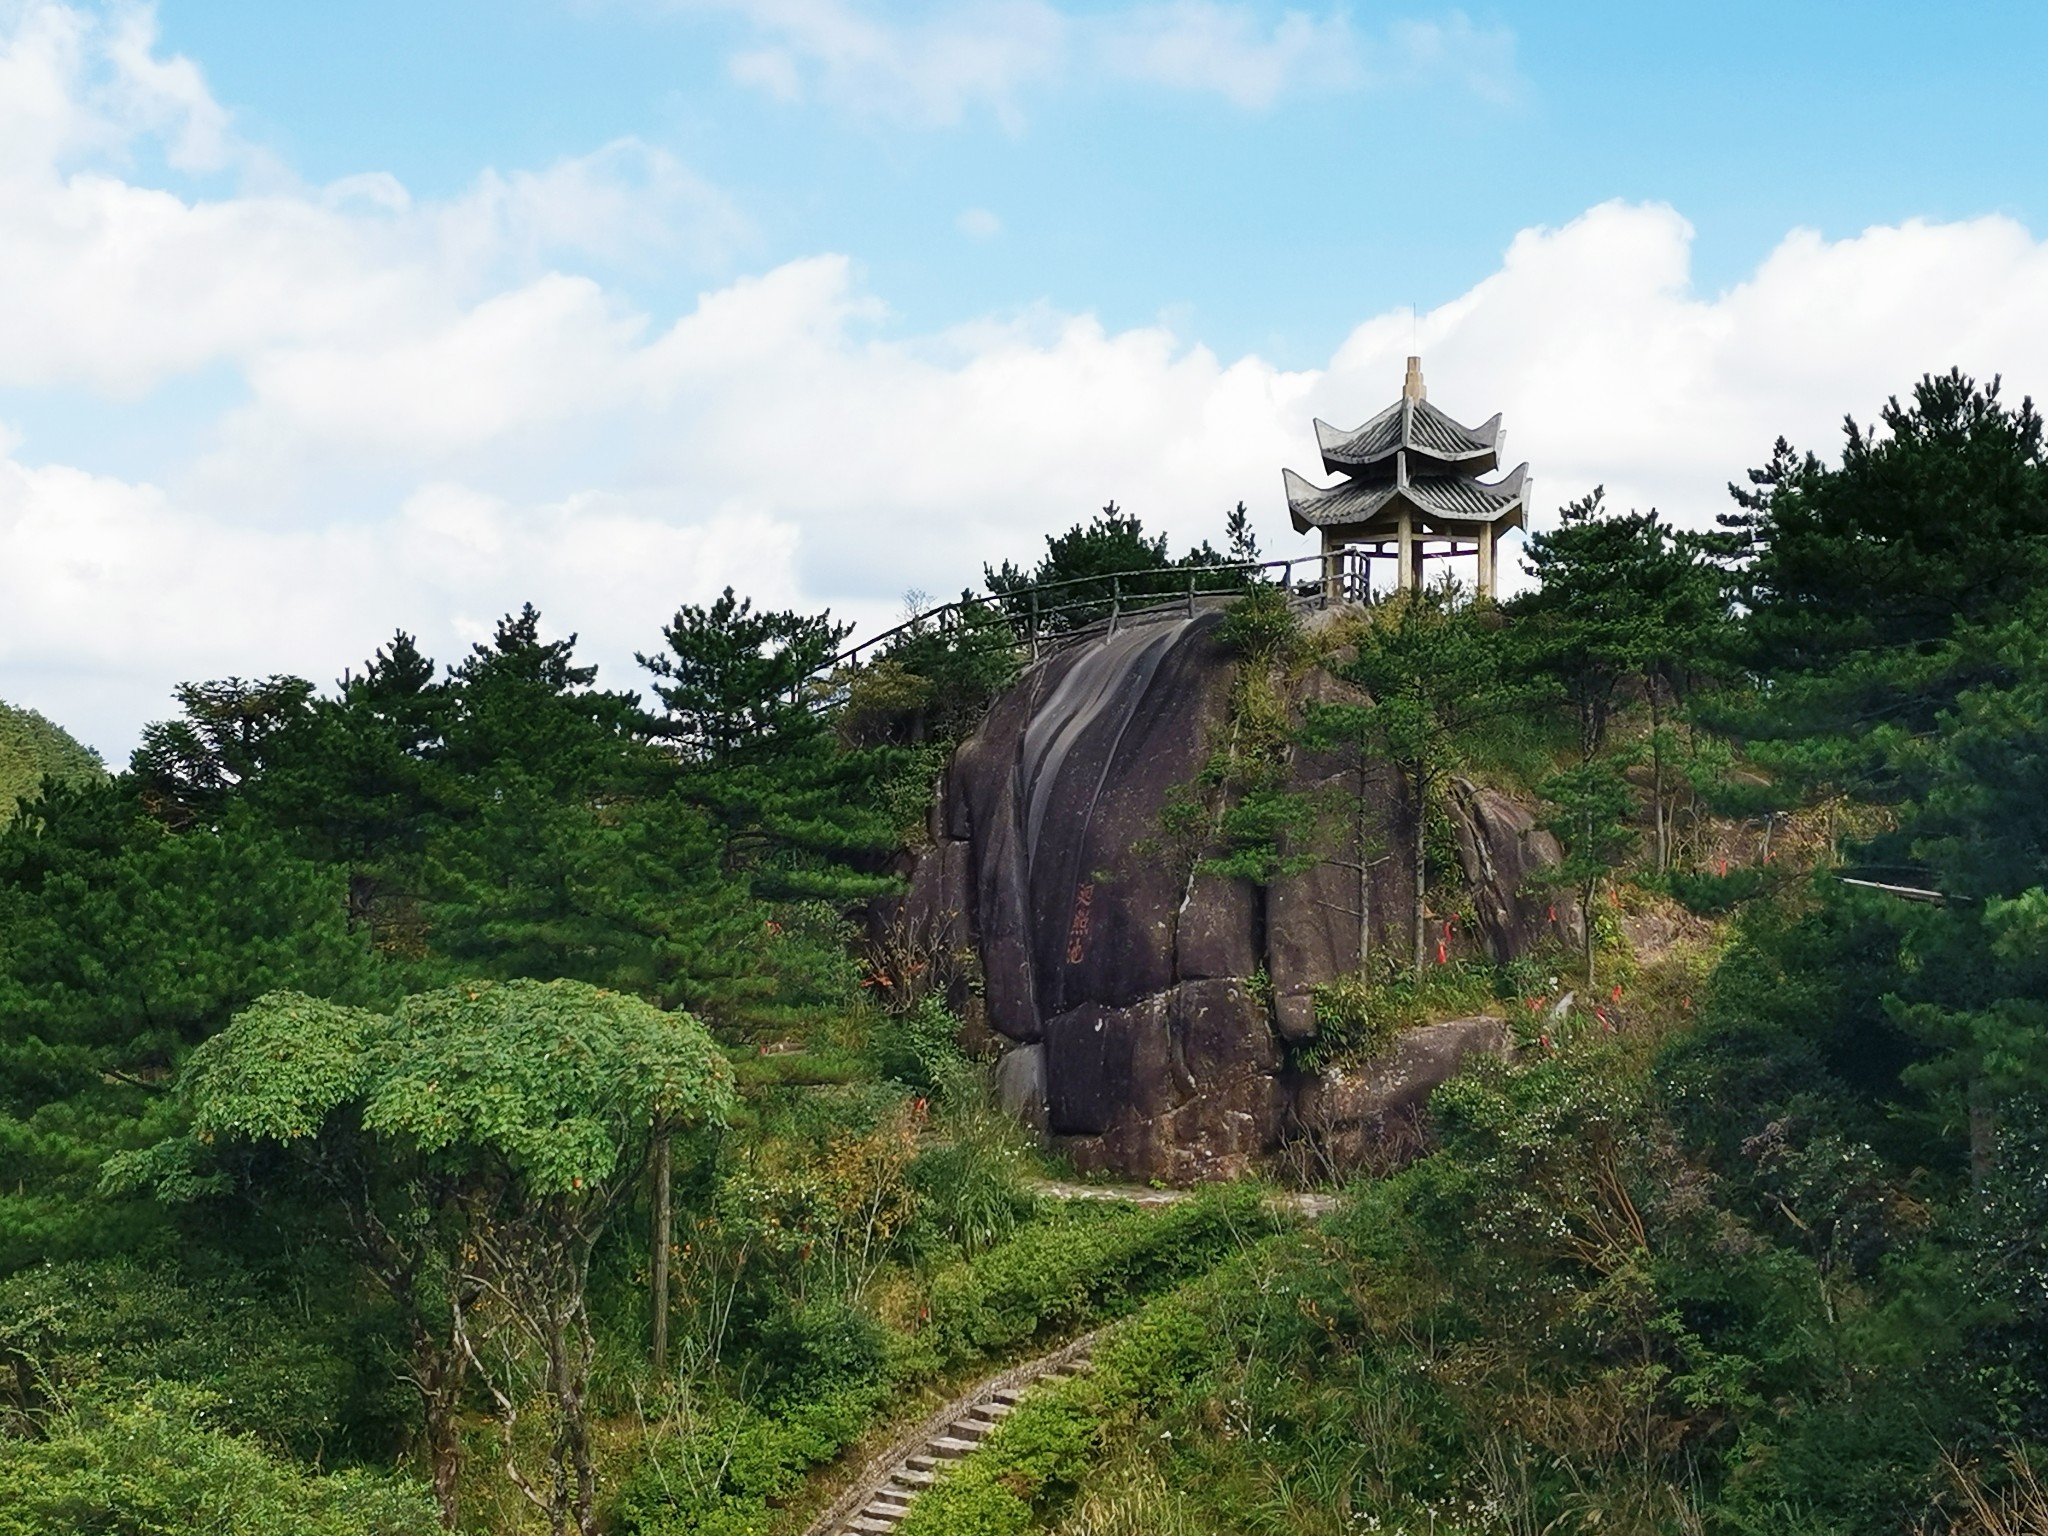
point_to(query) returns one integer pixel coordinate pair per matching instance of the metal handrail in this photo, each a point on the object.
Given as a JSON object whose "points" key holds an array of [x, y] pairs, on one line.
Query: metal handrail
{"points": [[1335, 580]]}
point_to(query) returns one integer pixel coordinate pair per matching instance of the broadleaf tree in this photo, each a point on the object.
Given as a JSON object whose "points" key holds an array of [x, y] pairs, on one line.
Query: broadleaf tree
{"points": [[475, 1143]]}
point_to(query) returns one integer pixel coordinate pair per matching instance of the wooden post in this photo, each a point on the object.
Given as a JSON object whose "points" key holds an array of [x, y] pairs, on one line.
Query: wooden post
{"points": [[664, 1236]]}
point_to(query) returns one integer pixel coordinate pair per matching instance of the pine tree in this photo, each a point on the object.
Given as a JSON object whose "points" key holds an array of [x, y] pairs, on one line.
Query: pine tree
{"points": [[798, 815], [1432, 669], [1854, 577], [1626, 607]]}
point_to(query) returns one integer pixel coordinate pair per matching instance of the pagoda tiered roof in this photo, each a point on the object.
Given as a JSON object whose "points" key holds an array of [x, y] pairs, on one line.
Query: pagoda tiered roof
{"points": [[1410, 458], [1414, 427], [1437, 499]]}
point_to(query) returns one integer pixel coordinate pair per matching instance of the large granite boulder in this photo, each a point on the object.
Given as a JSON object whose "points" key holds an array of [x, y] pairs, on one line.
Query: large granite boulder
{"points": [[1369, 1113], [1157, 1003]]}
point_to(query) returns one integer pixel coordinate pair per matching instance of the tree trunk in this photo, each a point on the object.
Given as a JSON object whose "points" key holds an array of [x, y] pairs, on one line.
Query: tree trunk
{"points": [[572, 1474], [664, 1235], [440, 1383], [1421, 876], [1364, 876], [1657, 773], [1589, 900], [1983, 1134]]}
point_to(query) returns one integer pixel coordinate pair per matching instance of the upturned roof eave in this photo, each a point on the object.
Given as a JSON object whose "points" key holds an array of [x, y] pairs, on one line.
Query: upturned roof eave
{"points": [[1393, 431], [1376, 512]]}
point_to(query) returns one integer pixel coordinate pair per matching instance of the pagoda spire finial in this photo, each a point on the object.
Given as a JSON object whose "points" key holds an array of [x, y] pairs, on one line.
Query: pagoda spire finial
{"points": [[1411, 387]]}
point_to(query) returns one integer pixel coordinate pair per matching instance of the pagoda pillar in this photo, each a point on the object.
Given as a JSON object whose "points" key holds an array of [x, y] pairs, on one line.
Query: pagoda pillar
{"points": [[1487, 553], [1405, 551]]}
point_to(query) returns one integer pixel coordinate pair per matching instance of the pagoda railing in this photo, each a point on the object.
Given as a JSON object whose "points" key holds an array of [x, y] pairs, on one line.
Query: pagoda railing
{"points": [[1048, 616]]}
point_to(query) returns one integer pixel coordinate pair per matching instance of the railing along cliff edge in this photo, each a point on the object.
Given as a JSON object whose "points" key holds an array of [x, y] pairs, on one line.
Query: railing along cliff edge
{"points": [[1043, 616]]}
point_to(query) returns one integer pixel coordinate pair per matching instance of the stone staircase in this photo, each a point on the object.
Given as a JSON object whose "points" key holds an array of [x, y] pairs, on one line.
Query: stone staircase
{"points": [[876, 1505]]}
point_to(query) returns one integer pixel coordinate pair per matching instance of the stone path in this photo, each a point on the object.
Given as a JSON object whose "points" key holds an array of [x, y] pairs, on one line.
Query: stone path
{"points": [[1306, 1204], [877, 1503]]}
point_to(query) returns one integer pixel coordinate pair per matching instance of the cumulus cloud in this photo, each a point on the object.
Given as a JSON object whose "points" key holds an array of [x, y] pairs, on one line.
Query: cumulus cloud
{"points": [[432, 421], [73, 83]]}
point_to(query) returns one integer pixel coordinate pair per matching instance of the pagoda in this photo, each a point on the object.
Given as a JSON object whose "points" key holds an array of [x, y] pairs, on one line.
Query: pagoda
{"points": [[1410, 491]]}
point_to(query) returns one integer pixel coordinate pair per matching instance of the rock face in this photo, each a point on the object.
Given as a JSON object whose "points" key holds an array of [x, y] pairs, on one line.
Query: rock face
{"points": [[1370, 1113], [1155, 1003]]}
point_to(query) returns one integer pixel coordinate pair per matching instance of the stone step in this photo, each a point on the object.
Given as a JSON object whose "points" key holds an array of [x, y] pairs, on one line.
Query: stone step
{"points": [[890, 1501]]}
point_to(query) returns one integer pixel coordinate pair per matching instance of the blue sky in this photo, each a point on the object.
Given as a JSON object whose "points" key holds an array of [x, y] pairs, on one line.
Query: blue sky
{"points": [[324, 320], [1257, 226]]}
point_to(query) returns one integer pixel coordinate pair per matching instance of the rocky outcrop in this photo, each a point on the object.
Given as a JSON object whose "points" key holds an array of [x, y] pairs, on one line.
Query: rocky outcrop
{"points": [[1369, 1113], [1505, 856], [1152, 1006]]}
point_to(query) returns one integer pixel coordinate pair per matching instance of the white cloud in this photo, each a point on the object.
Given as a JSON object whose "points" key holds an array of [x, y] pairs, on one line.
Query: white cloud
{"points": [[1612, 368], [925, 72], [1455, 49], [980, 224], [962, 54], [1200, 45], [435, 425], [74, 84]]}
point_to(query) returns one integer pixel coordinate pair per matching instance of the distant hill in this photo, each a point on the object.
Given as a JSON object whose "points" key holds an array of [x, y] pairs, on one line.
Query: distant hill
{"points": [[31, 749]]}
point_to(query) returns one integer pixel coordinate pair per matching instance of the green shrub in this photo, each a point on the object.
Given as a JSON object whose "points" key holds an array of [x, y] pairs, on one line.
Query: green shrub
{"points": [[1359, 1014], [818, 1348], [151, 1467], [970, 1192], [916, 1047], [720, 1475], [1717, 895], [1039, 1456], [1262, 626], [1082, 1264], [111, 1328]]}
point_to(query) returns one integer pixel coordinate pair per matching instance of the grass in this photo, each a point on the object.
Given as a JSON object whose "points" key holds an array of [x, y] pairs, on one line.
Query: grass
{"points": [[1359, 1015]]}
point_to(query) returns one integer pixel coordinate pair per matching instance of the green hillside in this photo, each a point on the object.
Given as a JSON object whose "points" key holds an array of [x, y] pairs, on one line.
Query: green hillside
{"points": [[32, 749], [468, 1089]]}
